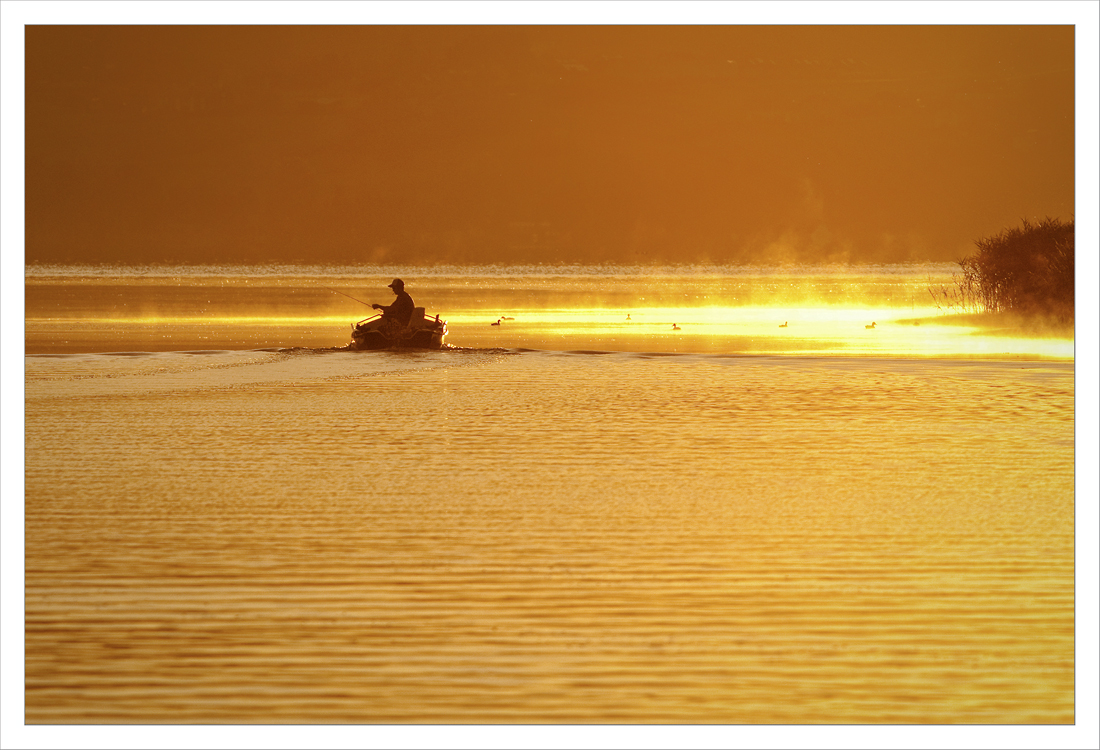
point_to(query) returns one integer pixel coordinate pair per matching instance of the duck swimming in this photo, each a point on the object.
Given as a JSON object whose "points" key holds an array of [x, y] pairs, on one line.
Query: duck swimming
{"points": [[784, 324], [870, 326], [495, 324], [675, 327]]}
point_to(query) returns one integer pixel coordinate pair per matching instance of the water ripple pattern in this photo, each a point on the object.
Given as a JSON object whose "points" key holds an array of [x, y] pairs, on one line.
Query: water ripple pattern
{"points": [[496, 536]]}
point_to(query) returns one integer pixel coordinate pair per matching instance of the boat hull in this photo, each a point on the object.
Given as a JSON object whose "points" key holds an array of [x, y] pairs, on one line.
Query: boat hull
{"points": [[422, 333], [374, 340]]}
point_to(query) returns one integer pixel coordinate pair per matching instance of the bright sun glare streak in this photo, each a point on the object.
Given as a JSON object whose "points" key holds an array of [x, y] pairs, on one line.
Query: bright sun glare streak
{"points": [[848, 330], [837, 330], [736, 329]]}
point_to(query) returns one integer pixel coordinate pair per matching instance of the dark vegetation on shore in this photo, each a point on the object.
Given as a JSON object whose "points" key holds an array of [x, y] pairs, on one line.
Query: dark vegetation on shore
{"points": [[1023, 271]]}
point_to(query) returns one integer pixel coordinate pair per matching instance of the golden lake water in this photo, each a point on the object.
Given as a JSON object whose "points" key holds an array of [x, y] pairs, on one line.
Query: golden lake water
{"points": [[567, 518]]}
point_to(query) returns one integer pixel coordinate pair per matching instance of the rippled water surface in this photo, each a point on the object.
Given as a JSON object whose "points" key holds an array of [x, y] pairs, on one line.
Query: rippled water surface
{"points": [[497, 534]]}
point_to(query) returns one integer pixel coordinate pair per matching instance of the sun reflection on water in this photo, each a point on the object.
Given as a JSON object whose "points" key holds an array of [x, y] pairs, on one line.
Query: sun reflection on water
{"points": [[833, 330], [820, 311]]}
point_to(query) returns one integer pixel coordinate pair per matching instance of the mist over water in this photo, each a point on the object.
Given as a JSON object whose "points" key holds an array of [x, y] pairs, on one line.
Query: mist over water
{"points": [[742, 309]]}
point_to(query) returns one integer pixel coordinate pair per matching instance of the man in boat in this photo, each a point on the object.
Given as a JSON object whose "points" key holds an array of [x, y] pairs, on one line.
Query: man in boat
{"points": [[397, 315]]}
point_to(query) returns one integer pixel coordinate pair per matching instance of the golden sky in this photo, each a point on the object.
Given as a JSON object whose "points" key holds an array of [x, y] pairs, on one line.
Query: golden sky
{"points": [[414, 144]]}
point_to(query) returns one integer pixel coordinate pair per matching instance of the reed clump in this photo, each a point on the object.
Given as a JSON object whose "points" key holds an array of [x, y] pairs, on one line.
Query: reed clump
{"points": [[1026, 270]]}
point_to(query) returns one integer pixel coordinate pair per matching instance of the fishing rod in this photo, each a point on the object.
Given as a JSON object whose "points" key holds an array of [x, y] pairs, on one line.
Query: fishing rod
{"points": [[361, 302]]}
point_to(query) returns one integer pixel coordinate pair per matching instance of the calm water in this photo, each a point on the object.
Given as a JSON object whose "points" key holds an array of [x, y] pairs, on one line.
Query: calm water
{"points": [[613, 526]]}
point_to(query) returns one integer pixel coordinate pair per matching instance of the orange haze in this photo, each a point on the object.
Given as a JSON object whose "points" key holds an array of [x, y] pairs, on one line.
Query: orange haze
{"points": [[472, 144]]}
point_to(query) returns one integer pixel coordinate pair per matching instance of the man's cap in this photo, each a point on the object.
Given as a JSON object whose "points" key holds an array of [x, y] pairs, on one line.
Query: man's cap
{"points": [[397, 284]]}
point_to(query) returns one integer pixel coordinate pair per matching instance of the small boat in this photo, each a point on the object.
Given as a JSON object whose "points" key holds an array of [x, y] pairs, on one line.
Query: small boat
{"points": [[422, 332]]}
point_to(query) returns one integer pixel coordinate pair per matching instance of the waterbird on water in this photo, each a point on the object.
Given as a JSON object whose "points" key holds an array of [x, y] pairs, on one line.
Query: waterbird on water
{"points": [[870, 326], [497, 323], [675, 327], [784, 324]]}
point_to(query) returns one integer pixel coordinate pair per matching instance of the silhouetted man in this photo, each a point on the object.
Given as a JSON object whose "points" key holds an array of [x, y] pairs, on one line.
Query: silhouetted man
{"points": [[402, 308]]}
